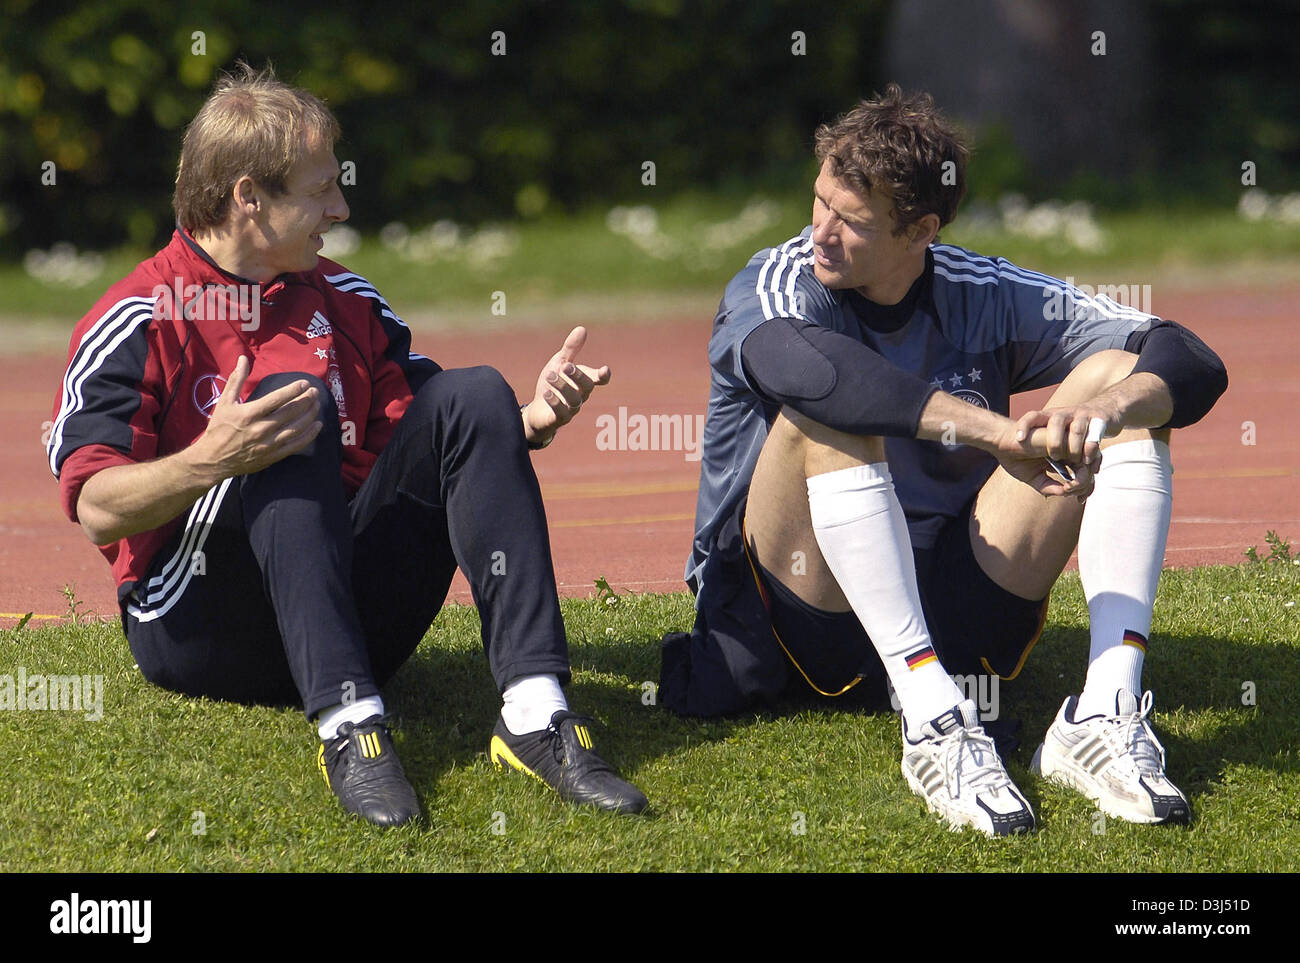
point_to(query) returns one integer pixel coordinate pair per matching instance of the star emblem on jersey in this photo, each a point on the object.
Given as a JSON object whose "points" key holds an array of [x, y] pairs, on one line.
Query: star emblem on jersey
{"points": [[322, 353], [955, 380], [207, 392], [319, 326], [974, 375]]}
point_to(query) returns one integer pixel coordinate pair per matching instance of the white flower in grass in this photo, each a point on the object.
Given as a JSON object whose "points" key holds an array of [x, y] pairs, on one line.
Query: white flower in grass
{"points": [[439, 240], [341, 241], [638, 221], [756, 216], [491, 244], [62, 266], [1287, 209], [395, 236], [1253, 205]]}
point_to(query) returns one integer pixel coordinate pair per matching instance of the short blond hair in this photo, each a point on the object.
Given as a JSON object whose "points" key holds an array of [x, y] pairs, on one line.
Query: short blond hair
{"points": [[254, 125]]}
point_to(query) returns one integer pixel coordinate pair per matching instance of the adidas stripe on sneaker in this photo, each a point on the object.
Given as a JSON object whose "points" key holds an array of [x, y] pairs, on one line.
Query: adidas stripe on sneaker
{"points": [[956, 769]]}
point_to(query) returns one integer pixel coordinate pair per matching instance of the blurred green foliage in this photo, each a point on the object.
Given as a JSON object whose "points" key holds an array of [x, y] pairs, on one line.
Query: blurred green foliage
{"points": [[587, 92], [1226, 95], [437, 125]]}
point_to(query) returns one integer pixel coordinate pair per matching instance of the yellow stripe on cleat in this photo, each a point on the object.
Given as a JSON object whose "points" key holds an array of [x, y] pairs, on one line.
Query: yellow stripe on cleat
{"points": [[584, 737], [320, 763], [501, 753]]}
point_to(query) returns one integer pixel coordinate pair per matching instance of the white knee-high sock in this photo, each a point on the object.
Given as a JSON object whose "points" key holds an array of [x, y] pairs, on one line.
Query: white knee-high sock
{"points": [[1121, 552], [329, 720], [529, 702], [862, 534]]}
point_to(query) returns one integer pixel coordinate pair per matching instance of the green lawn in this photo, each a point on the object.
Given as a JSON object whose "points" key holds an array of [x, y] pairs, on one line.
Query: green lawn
{"points": [[125, 793], [699, 242]]}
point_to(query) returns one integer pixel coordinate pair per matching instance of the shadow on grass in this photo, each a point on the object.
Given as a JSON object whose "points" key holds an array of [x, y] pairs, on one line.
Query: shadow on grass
{"points": [[448, 703], [1193, 674]]}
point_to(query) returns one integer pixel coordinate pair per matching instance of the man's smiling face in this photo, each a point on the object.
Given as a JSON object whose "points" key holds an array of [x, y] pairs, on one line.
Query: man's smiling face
{"points": [[293, 222]]}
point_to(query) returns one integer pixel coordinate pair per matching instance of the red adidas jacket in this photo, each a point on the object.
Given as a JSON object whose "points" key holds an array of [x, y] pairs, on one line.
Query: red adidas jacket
{"points": [[147, 363]]}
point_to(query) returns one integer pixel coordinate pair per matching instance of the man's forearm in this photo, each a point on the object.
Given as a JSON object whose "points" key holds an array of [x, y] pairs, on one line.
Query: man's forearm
{"points": [[125, 500], [1143, 400], [948, 419]]}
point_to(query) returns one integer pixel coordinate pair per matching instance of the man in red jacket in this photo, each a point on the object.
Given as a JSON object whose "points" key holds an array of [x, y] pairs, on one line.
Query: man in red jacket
{"points": [[284, 490]]}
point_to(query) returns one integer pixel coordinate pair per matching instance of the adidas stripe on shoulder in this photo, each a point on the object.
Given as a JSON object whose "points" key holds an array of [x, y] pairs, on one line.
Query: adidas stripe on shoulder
{"points": [[351, 283], [95, 352], [778, 277]]}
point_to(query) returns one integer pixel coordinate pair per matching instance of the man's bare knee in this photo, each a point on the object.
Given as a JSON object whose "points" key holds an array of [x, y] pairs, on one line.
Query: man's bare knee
{"points": [[1138, 434], [825, 449], [778, 524], [1092, 376]]}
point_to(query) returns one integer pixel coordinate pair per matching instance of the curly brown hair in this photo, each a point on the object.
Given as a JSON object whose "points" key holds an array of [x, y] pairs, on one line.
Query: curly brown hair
{"points": [[252, 124], [899, 143]]}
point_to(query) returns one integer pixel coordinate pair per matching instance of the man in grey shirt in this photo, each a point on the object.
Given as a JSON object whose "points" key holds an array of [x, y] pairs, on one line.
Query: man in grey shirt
{"points": [[868, 511]]}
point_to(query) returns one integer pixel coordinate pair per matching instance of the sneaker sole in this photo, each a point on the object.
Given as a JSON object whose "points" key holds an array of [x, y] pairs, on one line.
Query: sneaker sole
{"points": [[1065, 773], [959, 821]]}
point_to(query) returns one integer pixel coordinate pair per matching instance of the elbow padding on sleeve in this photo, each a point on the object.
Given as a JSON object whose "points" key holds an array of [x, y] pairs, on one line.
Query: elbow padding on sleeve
{"points": [[1194, 373], [833, 379]]}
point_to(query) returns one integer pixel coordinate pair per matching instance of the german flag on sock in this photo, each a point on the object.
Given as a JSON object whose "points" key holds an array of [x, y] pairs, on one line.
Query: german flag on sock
{"points": [[921, 657], [1136, 639]]}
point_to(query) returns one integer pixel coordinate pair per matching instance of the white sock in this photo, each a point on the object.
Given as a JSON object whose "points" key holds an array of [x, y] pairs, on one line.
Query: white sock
{"points": [[329, 720], [1121, 552], [862, 534], [530, 701]]}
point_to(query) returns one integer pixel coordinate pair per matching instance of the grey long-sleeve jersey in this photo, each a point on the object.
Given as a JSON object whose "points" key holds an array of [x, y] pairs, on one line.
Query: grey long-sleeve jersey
{"points": [[982, 330]]}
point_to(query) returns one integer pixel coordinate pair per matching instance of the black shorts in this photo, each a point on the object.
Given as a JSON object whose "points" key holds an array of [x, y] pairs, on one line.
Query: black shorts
{"points": [[976, 626], [755, 640]]}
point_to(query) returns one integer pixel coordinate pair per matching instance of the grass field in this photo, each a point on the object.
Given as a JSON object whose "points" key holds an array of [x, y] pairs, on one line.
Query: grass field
{"points": [[164, 783]]}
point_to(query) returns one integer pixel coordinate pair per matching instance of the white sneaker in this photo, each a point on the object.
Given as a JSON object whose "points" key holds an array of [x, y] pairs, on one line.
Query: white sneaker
{"points": [[1116, 761], [955, 768]]}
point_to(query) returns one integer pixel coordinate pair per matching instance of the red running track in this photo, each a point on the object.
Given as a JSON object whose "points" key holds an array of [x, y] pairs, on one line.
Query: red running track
{"points": [[627, 515]]}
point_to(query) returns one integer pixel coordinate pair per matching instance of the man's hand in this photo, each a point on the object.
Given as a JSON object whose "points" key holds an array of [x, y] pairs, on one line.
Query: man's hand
{"points": [[244, 438], [1139, 401], [949, 420], [562, 387], [240, 439], [1023, 457], [1063, 432]]}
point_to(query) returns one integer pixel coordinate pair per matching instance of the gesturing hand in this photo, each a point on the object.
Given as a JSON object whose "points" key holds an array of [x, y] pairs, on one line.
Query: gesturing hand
{"points": [[562, 387], [244, 437]]}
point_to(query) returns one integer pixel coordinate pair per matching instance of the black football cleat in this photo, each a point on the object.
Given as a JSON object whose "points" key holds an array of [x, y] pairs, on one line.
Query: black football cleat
{"points": [[362, 768], [561, 756]]}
